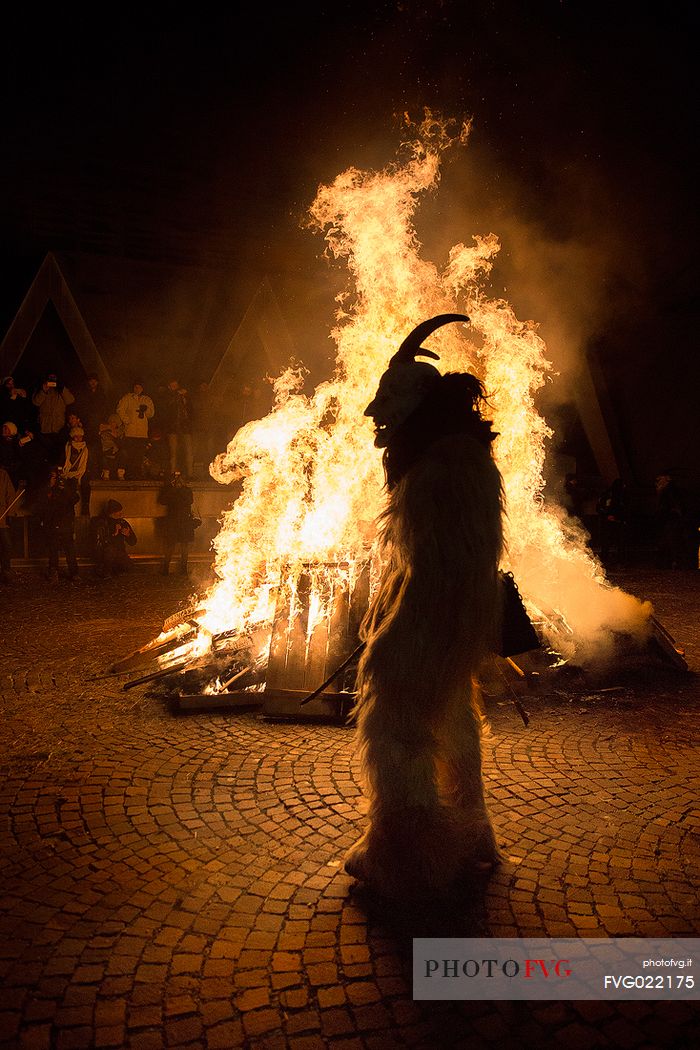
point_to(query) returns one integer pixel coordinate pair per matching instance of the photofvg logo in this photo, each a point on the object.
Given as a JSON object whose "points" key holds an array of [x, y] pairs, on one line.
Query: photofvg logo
{"points": [[555, 968]]}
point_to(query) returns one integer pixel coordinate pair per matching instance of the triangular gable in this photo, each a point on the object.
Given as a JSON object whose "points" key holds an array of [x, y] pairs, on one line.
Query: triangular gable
{"points": [[50, 285], [260, 345]]}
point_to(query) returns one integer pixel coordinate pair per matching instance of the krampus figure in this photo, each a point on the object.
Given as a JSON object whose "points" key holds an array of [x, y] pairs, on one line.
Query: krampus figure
{"points": [[432, 620]]}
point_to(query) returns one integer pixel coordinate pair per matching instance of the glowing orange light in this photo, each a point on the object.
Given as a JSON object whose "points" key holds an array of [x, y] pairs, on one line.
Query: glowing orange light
{"points": [[311, 480]]}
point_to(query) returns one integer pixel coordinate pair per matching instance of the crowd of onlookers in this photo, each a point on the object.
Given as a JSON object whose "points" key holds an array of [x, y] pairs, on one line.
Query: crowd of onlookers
{"points": [[670, 531], [90, 435], [55, 442]]}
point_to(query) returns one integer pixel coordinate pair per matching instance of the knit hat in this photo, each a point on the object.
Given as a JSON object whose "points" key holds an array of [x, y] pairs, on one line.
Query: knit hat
{"points": [[112, 505]]}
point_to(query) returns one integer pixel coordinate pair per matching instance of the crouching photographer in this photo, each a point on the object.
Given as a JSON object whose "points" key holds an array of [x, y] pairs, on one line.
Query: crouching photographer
{"points": [[113, 534]]}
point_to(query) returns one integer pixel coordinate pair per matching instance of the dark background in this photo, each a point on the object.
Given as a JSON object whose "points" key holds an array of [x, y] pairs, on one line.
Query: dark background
{"points": [[199, 141]]}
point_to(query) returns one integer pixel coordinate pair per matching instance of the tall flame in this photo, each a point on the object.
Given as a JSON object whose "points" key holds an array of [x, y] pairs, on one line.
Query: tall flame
{"points": [[311, 480]]}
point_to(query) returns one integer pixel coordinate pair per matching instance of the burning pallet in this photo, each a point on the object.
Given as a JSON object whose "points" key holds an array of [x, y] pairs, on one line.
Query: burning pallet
{"points": [[304, 668], [304, 658], [274, 670]]}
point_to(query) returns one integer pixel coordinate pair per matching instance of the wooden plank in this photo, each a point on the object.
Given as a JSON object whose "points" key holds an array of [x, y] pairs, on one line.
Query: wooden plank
{"points": [[338, 642], [142, 657], [277, 660], [295, 665], [359, 602], [298, 662], [285, 703], [316, 655], [220, 701]]}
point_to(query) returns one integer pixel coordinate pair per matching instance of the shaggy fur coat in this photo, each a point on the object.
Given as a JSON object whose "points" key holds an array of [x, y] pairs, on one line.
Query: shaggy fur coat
{"points": [[433, 618]]}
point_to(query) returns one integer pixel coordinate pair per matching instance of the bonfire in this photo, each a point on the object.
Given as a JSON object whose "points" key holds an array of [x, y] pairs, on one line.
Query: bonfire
{"points": [[295, 557]]}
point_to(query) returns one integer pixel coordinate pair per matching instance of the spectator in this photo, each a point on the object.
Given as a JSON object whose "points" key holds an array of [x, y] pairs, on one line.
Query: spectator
{"points": [[75, 466], [670, 523], [14, 406], [112, 449], [135, 409], [155, 462], [612, 515], [248, 405], [9, 451], [177, 425], [33, 463], [574, 498], [57, 519], [179, 522], [112, 536], [73, 420], [22, 456], [52, 399], [93, 408], [7, 498]]}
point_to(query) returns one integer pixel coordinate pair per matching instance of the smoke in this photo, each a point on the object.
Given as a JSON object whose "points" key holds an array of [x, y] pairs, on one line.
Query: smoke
{"points": [[565, 260]]}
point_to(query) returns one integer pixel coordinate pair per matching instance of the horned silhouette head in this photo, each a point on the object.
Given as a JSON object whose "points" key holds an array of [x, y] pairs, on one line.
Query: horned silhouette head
{"points": [[406, 381]]}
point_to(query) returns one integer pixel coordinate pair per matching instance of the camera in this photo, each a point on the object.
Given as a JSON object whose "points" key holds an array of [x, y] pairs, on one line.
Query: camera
{"points": [[142, 409], [51, 382]]}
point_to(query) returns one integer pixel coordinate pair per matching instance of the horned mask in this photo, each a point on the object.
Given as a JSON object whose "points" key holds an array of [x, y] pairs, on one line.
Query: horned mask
{"points": [[406, 381]]}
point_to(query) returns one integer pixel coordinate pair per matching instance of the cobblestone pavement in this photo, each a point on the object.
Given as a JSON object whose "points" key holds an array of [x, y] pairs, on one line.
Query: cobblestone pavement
{"points": [[176, 880]]}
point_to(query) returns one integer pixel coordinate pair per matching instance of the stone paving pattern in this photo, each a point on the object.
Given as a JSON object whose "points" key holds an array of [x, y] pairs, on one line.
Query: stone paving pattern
{"points": [[175, 880]]}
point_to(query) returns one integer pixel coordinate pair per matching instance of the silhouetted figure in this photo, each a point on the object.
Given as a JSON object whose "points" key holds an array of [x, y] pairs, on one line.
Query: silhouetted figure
{"points": [[112, 458], [15, 407], [574, 497], [178, 498], [157, 457], [175, 417], [670, 523], [612, 515], [57, 518], [434, 616], [246, 406], [23, 457], [7, 499], [113, 534], [93, 408], [9, 451]]}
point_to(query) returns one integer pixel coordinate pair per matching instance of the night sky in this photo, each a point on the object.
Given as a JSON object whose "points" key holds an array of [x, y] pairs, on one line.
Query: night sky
{"points": [[202, 140]]}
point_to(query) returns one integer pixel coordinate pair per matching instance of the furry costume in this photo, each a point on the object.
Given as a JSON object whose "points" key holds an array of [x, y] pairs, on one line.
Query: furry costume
{"points": [[434, 617]]}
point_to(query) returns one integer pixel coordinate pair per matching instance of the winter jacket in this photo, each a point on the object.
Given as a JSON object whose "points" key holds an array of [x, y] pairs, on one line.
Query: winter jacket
{"points": [[52, 408], [135, 410]]}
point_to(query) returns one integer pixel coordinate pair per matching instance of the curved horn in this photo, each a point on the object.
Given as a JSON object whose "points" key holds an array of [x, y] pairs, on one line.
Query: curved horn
{"points": [[411, 348]]}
